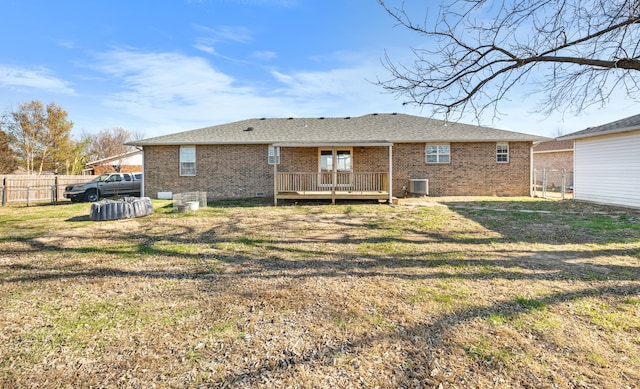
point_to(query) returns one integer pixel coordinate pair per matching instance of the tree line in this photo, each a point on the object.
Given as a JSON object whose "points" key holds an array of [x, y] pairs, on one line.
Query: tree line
{"points": [[36, 138]]}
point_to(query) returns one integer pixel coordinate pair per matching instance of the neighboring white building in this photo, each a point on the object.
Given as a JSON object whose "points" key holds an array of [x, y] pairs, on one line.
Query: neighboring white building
{"points": [[130, 162], [607, 163]]}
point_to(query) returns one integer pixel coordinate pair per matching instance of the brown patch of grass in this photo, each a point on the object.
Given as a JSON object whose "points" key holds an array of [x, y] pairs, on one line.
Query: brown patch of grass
{"points": [[458, 292]]}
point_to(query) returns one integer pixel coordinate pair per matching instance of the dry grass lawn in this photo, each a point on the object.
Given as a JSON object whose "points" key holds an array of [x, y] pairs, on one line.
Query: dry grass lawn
{"points": [[445, 292]]}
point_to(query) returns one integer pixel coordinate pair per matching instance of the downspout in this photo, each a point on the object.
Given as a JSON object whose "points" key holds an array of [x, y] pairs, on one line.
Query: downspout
{"points": [[573, 195], [143, 173], [531, 170]]}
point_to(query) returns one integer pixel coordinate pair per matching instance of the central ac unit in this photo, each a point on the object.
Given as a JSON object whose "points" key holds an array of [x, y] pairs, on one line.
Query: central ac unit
{"points": [[419, 186]]}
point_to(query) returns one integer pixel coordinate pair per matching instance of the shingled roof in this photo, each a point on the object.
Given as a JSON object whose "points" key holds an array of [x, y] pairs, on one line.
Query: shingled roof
{"points": [[372, 128], [632, 123], [553, 146]]}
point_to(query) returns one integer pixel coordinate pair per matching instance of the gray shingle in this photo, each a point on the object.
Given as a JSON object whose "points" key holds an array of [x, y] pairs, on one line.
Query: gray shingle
{"points": [[396, 128], [631, 123]]}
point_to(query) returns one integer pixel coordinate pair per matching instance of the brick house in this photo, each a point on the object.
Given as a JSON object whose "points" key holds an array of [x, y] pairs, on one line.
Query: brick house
{"points": [[375, 156], [553, 155]]}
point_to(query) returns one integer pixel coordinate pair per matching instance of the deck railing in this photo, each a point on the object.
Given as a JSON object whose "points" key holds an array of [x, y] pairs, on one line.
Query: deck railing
{"points": [[354, 182]]}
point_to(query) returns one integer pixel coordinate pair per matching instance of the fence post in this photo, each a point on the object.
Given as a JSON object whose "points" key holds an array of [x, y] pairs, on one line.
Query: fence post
{"points": [[4, 190], [28, 191], [544, 183], [564, 174], [54, 190]]}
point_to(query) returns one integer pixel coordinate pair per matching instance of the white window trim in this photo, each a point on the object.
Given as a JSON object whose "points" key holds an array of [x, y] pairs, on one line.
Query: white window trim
{"points": [[270, 155], [182, 173], [498, 154], [338, 149], [438, 162], [334, 177]]}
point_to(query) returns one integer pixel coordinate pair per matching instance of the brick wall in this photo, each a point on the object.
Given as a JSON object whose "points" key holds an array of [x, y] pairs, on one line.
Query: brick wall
{"points": [[557, 160], [237, 171], [473, 170], [101, 169], [223, 171]]}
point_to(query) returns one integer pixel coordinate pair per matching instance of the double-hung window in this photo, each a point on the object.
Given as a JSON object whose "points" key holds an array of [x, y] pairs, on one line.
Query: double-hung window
{"points": [[438, 153], [187, 160], [502, 152], [273, 155]]}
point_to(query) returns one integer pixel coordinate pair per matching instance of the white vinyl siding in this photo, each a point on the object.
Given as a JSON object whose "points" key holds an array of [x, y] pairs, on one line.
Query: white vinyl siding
{"points": [[187, 160], [607, 169]]}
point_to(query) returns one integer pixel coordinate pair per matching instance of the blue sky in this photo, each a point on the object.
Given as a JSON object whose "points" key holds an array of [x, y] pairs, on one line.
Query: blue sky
{"points": [[157, 67]]}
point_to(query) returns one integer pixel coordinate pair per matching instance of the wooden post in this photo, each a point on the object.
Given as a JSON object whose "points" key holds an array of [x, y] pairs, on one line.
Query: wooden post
{"points": [[275, 176], [4, 191], [334, 174], [54, 190]]}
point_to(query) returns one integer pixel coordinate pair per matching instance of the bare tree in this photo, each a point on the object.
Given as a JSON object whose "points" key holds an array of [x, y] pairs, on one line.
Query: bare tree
{"points": [[110, 142], [576, 53]]}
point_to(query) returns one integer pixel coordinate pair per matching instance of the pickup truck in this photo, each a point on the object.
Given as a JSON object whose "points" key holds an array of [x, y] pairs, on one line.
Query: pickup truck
{"points": [[105, 185]]}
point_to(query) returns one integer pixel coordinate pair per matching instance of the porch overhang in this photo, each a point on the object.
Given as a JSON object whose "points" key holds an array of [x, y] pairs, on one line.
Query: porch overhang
{"points": [[335, 144]]}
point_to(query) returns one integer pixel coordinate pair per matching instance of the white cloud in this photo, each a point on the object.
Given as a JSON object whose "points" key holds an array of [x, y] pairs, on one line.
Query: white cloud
{"points": [[204, 47], [38, 78], [265, 55], [225, 34], [178, 90], [174, 92]]}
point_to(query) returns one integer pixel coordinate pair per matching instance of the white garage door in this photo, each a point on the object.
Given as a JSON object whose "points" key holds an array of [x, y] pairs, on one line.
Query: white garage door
{"points": [[607, 169]]}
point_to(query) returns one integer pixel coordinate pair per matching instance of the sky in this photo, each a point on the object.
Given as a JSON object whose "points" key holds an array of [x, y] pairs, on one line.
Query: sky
{"points": [[156, 67]]}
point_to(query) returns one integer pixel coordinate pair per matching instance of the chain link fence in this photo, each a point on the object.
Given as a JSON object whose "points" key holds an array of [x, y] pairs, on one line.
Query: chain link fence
{"points": [[553, 183]]}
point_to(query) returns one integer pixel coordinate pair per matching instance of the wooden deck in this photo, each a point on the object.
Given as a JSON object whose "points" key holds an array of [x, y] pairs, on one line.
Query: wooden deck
{"points": [[332, 186]]}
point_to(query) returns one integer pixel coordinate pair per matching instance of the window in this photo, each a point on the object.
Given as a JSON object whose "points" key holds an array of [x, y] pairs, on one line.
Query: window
{"points": [[127, 177], [502, 152], [341, 163], [343, 160], [273, 155], [438, 153], [187, 160]]}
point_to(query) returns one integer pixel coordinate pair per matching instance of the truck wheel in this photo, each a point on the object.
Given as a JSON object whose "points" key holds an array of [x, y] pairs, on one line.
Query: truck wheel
{"points": [[91, 195]]}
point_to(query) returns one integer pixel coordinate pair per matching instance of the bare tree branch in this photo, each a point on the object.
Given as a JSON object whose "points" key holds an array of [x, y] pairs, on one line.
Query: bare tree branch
{"points": [[573, 52]]}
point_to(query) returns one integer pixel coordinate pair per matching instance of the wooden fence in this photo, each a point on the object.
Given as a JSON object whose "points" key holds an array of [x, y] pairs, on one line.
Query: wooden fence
{"points": [[33, 189]]}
